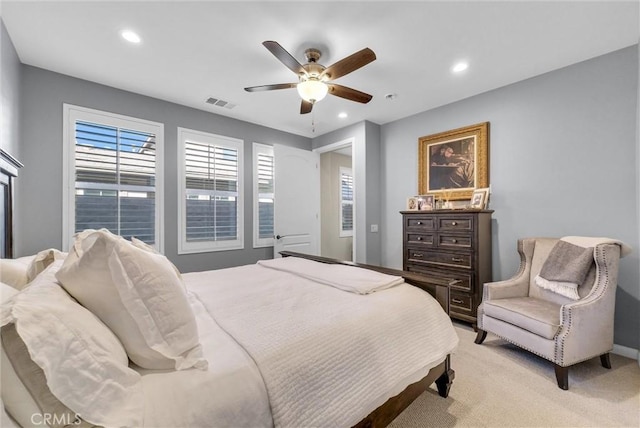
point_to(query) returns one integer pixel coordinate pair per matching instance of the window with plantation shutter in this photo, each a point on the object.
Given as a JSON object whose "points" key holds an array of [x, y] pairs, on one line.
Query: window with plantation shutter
{"points": [[114, 179], [210, 192], [346, 202], [262, 195]]}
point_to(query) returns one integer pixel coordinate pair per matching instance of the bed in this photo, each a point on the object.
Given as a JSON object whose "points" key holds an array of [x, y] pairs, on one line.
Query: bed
{"points": [[297, 341]]}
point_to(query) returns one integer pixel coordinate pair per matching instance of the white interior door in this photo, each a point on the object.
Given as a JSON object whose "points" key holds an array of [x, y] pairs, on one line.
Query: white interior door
{"points": [[296, 222]]}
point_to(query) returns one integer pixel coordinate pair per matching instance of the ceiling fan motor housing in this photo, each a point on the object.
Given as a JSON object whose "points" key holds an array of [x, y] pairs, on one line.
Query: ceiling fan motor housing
{"points": [[312, 54]]}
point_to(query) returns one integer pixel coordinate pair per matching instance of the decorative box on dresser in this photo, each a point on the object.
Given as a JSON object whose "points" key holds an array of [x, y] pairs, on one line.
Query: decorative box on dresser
{"points": [[453, 248]]}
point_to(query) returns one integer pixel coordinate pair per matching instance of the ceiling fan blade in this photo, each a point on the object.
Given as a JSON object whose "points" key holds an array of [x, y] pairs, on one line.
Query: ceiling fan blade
{"points": [[349, 93], [285, 57], [349, 64], [270, 87], [305, 107]]}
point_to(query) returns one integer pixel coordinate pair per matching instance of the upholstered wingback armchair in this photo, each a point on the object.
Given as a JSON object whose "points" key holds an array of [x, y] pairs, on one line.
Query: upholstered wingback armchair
{"points": [[563, 330]]}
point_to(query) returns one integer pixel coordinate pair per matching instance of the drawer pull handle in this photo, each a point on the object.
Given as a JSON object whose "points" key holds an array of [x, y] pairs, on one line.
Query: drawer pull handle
{"points": [[418, 222], [455, 241], [456, 259], [454, 223], [454, 281], [419, 238], [417, 256], [457, 301]]}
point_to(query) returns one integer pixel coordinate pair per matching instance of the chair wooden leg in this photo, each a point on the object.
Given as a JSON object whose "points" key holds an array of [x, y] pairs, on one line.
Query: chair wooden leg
{"points": [[482, 335], [605, 361], [562, 376]]}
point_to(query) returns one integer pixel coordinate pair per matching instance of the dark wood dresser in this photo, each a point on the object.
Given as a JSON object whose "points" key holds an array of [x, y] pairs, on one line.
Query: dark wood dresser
{"points": [[452, 248]]}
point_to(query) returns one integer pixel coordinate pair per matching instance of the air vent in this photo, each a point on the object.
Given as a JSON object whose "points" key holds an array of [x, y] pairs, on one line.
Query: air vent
{"points": [[220, 103]]}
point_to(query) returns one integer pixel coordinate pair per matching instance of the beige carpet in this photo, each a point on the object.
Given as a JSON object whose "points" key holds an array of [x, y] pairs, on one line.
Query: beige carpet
{"points": [[500, 385]]}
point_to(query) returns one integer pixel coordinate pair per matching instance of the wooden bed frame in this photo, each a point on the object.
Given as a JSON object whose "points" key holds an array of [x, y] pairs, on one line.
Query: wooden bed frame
{"points": [[8, 172], [442, 374]]}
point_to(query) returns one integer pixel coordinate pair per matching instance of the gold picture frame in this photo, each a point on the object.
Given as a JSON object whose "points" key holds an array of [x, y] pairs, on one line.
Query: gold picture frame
{"points": [[455, 162]]}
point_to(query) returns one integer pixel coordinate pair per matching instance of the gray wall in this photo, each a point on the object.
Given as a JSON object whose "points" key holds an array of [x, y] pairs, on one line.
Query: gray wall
{"points": [[9, 86], [40, 182], [562, 162]]}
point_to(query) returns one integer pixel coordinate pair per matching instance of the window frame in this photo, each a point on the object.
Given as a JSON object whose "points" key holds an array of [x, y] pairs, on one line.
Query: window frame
{"points": [[347, 171], [72, 114], [257, 149], [185, 247]]}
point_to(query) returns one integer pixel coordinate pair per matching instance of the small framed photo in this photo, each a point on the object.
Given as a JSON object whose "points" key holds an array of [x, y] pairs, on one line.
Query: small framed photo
{"points": [[412, 203], [426, 202], [479, 199]]}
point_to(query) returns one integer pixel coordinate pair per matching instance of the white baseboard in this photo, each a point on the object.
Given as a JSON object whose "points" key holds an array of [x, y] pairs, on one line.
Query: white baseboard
{"points": [[626, 352]]}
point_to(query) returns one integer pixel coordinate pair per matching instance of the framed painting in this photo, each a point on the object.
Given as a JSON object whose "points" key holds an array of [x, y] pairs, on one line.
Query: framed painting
{"points": [[455, 162]]}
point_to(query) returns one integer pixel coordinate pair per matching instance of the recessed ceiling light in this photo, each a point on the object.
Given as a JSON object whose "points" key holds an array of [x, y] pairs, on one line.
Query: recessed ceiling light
{"points": [[460, 67], [130, 36], [343, 115]]}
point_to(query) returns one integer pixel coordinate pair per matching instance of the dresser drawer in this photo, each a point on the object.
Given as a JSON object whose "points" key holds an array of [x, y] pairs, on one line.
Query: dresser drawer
{"points": [[462, 223], [439, 258], [453, 279], [423, 238], [461, 303], [449, 250], [446, 240], [420, 222]]}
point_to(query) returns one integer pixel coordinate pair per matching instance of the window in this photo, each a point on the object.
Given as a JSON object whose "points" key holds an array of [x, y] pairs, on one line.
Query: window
{"points": [[346, 202], [210, 192], [262, 195], [114, 176]]}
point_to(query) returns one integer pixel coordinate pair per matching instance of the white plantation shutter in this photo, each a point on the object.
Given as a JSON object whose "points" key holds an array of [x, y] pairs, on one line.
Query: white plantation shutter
{"points": [[211, 202], [113, 174], [346, 202], [263, 193]]}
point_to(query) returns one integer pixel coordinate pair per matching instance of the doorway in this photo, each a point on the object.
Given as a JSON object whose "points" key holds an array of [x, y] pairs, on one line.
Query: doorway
{"points": [[337, 201]]}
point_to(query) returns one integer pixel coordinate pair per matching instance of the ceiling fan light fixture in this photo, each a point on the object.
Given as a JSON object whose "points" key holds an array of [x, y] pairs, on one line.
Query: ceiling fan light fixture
{"points": [[312, 90]]}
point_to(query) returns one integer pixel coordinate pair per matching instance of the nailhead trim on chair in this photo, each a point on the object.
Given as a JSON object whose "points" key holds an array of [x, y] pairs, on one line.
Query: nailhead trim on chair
{"points": [[523, 347], [600, 285]]}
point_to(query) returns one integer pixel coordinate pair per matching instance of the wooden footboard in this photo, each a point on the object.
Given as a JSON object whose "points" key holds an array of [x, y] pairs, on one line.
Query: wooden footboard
{"points": [[442, 374]]}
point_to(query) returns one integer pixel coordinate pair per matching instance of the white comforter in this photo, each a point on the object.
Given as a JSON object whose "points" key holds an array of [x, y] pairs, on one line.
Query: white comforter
{"points": [[327, 357]]}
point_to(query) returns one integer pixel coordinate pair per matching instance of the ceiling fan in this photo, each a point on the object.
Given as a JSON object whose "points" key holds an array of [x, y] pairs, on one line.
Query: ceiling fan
{"points": [[314, 78]]}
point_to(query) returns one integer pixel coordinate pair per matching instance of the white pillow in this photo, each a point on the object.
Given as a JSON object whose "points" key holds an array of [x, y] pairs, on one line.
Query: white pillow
{"points": [[7, 292], [139, 296], [13, 272], [144, 246], [85, 365], [41, 260]]}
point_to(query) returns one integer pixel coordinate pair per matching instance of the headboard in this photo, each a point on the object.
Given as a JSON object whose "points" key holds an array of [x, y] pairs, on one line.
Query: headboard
{"points": [[8, 172]]}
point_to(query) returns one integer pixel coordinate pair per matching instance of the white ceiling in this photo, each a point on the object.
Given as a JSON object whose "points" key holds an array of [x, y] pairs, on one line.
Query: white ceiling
{"points": [[195, 50]]}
